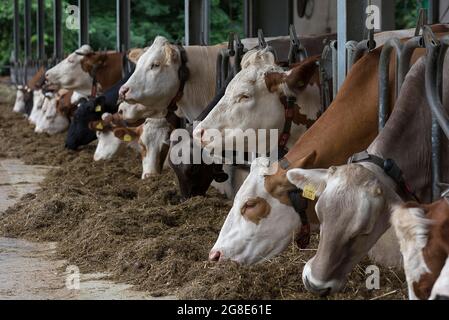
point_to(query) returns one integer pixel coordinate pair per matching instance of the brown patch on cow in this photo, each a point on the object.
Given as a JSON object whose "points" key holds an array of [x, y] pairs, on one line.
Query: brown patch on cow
{"points": [[273, 80], [37, 80], [301, 119], [121, 132], [255, 209], [64, 104], [108, 67], [134, 54], [278, 186], [436, 250], [302, 74]]}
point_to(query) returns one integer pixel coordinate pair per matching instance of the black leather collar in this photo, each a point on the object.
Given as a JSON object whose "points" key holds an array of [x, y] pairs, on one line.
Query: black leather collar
{"points": [[390, 168]]}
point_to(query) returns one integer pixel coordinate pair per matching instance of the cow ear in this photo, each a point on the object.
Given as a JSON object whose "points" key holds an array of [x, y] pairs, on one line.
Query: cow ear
{"points": [[301, 75], [96, 125], [171, 54], [126, 134], [311, 181], [273, 80]]}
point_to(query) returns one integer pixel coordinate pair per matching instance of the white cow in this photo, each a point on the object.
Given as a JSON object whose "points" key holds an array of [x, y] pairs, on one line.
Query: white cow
{"points": [[50, 120], [136, 111], [253, 101], [155, 82], [154, 139], [69, 74], [19, 104]]}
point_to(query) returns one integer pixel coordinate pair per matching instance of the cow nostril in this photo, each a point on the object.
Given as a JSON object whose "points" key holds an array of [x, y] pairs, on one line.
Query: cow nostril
{"points": [[120, 112], [215, 256]]}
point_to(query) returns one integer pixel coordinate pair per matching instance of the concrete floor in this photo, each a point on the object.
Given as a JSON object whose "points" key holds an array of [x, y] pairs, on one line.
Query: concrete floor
{"points": [[28, 270]]}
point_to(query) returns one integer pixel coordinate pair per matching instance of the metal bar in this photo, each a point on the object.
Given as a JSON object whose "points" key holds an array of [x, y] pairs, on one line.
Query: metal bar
{"points": [[27, 29], [205, 25], [333, 44], [297, 51], [57, 32], [83, 35], [434, 11], [40, 30], [16, 39], [384, 77], [350, 26], [248, 20], [186, 22], [122, 24]]}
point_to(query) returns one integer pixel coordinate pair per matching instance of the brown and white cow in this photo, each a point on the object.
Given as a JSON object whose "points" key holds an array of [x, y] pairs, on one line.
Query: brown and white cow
{"points": [[153, 137], [75, 72], [355, 201], [256, 99], [156, 81], [348, 126], [108, 144], [423, 234]]}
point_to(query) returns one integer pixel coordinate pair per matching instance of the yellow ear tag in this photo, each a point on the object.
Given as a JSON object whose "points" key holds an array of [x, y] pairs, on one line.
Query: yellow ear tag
{"points": [[127, 138], [308, 192], [98, 108], [99, 126]]}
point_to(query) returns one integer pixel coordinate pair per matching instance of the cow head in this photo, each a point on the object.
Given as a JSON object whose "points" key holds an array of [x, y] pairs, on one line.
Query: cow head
{"points": [[423, 234], [253, 101], [19, 104], [155, 80], [353, 209], [79, 132], [72, 72], [134, 112], [153, 137], [51, 121], [108, 144], [261, 224], [38, 101]]}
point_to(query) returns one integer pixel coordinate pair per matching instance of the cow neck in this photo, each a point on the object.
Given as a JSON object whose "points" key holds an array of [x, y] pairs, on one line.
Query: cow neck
{"points": [[183, 76], [292, 115], [406, 137]]}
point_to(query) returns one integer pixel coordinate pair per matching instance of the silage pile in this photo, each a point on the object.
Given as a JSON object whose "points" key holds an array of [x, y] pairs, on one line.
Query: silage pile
{"points": [[106, 219]]}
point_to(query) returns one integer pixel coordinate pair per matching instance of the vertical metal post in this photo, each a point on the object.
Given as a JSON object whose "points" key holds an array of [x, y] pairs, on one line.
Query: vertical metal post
{"points": [[16, 35], [205, 18], [83, 36], [123, 22], [57, 34], [350, 26], [195, 22], [186, 22], [27, 33], [248, 20], [40, 30], [434, 11]]}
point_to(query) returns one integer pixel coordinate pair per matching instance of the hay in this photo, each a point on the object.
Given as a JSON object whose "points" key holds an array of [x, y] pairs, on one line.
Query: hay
{"points": [[106, 219]]}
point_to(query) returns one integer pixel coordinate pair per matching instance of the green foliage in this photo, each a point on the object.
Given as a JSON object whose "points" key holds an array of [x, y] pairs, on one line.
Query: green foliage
{"points": [[149, 18], [407, 12]]}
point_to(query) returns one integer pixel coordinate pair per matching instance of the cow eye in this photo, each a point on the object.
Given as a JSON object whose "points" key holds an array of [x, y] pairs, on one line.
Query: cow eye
{"points": [[155, 65], [243, 97]]}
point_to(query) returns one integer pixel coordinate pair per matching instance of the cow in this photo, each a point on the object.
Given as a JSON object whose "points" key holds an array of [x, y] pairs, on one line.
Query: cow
{"points": [[38, 101], [134, 112], [256, 98], [348, 126], [89, 110], [108, 144], [25, 93], [50, 120], [78, 71], [355, 201], [165, 75], [153, 137], [423, 234]]}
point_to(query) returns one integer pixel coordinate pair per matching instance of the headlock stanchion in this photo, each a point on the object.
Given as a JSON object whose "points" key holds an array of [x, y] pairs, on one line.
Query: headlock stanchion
{"points": [[436, 52], [263, 44], [404, 52], [297, 52]]}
